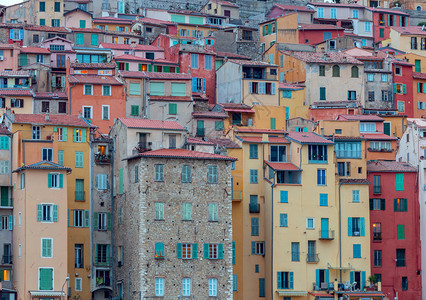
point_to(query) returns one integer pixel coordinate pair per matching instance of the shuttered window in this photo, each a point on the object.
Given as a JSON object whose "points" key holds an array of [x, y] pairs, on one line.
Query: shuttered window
{"points": [[179, 89], [134, 88], [156, 88], [45, 279], [46, 248]]}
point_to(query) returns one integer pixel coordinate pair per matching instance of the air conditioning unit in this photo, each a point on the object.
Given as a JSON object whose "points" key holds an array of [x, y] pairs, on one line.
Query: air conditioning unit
{"points": [[1, 57]]}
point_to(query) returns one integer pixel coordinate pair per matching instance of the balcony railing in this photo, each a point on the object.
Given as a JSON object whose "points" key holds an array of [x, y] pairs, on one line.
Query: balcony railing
{"points": [[237, 195], [400, 262], [102, 159], [6, 260], [377, 189], [377, 236], [254, 208], [312, 258], [326, 234], [100, 281], [143, 147], [102, 261], [79, 195], [6, 203]]}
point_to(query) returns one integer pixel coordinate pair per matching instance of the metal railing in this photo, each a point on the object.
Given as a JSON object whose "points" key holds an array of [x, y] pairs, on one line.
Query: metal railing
{"points": [[254, 208], [326, 234], [237, 195], [6, 260], [102, 158], [6, 203], [103, 261], [312, 258]]}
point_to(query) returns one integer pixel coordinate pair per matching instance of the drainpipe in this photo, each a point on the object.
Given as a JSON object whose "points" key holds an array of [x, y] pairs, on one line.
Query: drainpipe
{"points": [[272, 240], [340, 233], [112, 214], [91, 213]]}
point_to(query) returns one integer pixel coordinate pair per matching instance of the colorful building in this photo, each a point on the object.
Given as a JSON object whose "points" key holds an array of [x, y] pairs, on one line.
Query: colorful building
{"points": [[403, 87], [386, 20]]}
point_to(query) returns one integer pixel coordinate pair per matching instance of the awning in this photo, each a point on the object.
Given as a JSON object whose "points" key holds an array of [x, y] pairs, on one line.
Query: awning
{"points": [[292, 293], [323, 296], [365, 295], [47, 293], [340, 268], [235, 110]]}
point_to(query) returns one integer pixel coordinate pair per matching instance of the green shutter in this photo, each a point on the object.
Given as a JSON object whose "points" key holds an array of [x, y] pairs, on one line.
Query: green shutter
{"points": [[220, 251], [134, 110], [149, 68], [273, 123], [179, 250], [234, 252], [404, 89], [49, 180], [95, 221], [61, 157], [95, 40], [126, 66], [83, 135], [109, 221], [194, 251], [61, 180], [86, 218], [399, 177], [75, 135], [172, 108], [55, 213], [46, 279], [64, 134], [206, 251], [140, 67], [401, 232], [120, 181]]}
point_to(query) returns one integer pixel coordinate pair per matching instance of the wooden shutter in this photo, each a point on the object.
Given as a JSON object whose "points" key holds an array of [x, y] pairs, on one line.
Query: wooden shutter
{"points": [[49, 180], [234, 252], [349, 226], [95, 221], [362, 225], [194, 251], [55, 213], [220, 251], [206, 251], [179, 250], [86, 218]]}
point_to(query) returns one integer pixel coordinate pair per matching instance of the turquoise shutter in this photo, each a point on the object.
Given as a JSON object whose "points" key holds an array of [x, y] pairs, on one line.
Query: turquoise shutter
{"points": [[404, 89], [284, 196], [399, 178], [95, 221], [204, 85], [253, 247], [234, 252], [194, 251], [61, 180], [109, 221], [179, 250], [352, 276], [327, 276], [39, 212], [120, 181], [291, 280], [363, 279], [64, 134], [55, 213], [68, 217], [394, 88], [83, 137], [10, 222], [75, 135], [86, 218], [61, 157], [206, 250], [220, 251], [317, 278], [49, 180], [273, 123], [362, 221], [279, 285], [349, 226]]}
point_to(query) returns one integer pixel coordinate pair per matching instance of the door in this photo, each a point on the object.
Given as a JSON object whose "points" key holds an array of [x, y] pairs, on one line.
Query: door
{"points": [[311, 251], [172, 141], [4, 196], [387, 128], [358, 280], [324, 228], [142, 141], [200, 128], [79, 190]]}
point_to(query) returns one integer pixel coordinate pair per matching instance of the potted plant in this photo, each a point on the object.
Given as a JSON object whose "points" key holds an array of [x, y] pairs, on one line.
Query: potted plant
{"points": [[372, 279]]}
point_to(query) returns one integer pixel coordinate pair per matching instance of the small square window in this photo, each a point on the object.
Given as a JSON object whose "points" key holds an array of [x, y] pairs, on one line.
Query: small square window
{"points": [[310, 223]]}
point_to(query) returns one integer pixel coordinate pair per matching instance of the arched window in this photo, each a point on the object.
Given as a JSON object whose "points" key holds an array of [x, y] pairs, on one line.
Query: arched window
{"points": [[336, 71], [419, 8], [355, 72]]}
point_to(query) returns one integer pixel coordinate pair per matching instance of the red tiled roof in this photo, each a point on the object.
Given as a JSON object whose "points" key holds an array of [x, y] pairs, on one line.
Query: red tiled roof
{"points": [[198, 141], [294, 8], [15, 73], [209, 115], [232, 55], [289, 86], [70, 120], [37, 50], [115, 46], [258, 139], [4, 130], [401, 62], [112, 20], [282, 166], [93, 65], [367, 294], [389, 166], [410, 30], [308, 138], [250, 63], [184, 153], [140, 47], [370, 118], [132, 58], [133, 74], [174, 76], [325, 58], [257, 130], [385, 10], [151, 124], [170, 98], [46, 28], [47, 95], [16, 92], [164, 61], [93, 79], [354, 181], [77, 29], [336, 5], [225, 3], [419, 75], [319, 27], [226, 143], [155, 21], [6, 46], [377, 136]]}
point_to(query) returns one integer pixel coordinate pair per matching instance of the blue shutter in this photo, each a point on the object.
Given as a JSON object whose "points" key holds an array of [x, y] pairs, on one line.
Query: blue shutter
{"points": [[39, 212], [291, 280], [234, 252], [55, 213], [220, 251], [206, 251], [49, 180], [279, 284], [61, 180], [284, 196], [83, 136], [204, 85], [349, 226], [352, 276], [250, 87], [194, 85], [317, 281], [11, 34], [362, 221], [273, 88], [86, 218], [21, 34], [10, 222], [363, 279], [194, 251], [253, 247], [327, 276], [179, 250]]}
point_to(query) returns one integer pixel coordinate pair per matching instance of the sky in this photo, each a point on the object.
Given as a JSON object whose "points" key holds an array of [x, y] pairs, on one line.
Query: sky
{"points": [[9, 2]]}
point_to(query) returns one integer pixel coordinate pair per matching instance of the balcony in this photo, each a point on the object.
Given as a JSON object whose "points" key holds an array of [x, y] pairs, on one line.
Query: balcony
{"points": [[312, 258], [254, 208], [377, 236], [6, 203], [102, 159], [237, 195], [200, 132], [400, 262], [80, 196], [380, 150], [143, 147], [102, 261], [6, 260], [326, 234]]}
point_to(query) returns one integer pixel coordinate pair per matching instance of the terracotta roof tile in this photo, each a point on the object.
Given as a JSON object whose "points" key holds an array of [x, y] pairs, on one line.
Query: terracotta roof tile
{"points": [[282, 166], [371, 118], [132, 58], [254, 63], [4, 130], [258, 130], [419, 75], [258, 139], [354, 181], [410, 30], [174, 76], [289, 86], [112, 20], [294, 8], [225, 3], [43, 165], [93, 65], [226, 143], [307, 138], [401, 62], [155, 21], [319, 27], [386, 10], [378, 137], [170, 98], [15, 73], [16, 92], [53, 96], [70, 120], [198, 141], [337, 5], [93, 79], [46, 28], [115, 46], [326, 58], [209, 115], [389, 166], [140, 47], [151, 124], [37, 50], [232, 55], [77, 29], [184, 154]]}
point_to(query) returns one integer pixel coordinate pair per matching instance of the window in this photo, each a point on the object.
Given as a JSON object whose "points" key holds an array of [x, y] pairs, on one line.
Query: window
{"points": [[45, 106], [404, 283], [355, 196], [320, 12], [106, 90], [323, 199], [295, 251], [134, 88], [47, 154], [62, 108], [348, 149], [56, 22], [46, 248], [36, 132], [178, 89], [377, 184], [321, 177], [212, 174], [57, 6], [88, 89], [322, 93], [78, 255], [321, 70], [344, 168], [78, 284], [370, 77], [186, 251], [194, 61], [159, 211], [253, 176], [187, 211], [55, 180], [367, 26], [367, 127], [400, 205], [186, 287], [399, 178], [156, 88], [356, 250], [102, 181], [377, 258], [400, 229], [88, 112], [17, 102], [253, 151], [4, 143], [356, 227], [401, 106], [105, 112], [398, 71], [4, 167], [283, 220], [336, 71], [317, 153], [159, 172], [215, 251], [208, 62], [78, 218], [42, 22], [213, 212], [101, 221], [333, 13], [45, 279], [285, 280], [377, 204], [134, 110], [159, 286], [254, 226], [172, 108], [78, 159], [42, 6], [355, 14], [278, 153], [186, 173], [310, 223], [212, 287], [400, 257]]}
